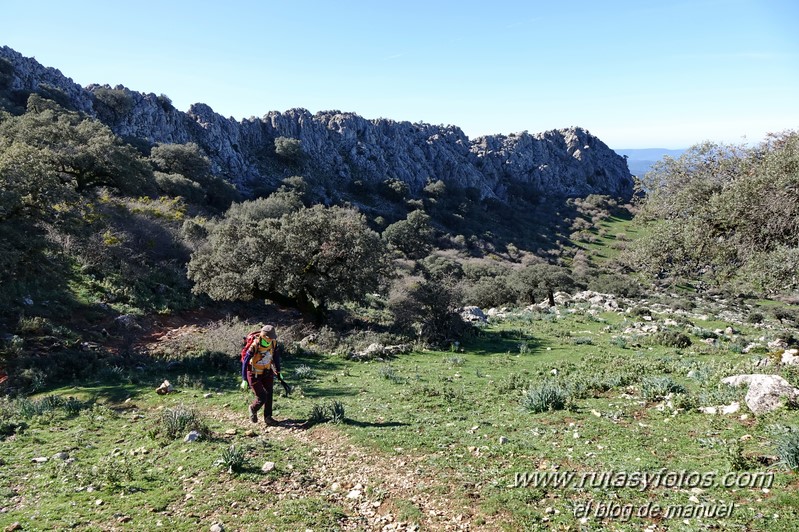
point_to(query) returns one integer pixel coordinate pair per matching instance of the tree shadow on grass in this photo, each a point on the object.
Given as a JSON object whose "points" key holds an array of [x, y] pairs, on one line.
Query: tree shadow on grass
{"points": [[489, 342]]}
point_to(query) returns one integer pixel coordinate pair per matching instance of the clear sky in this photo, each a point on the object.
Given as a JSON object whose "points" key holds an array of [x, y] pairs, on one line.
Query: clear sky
{"points": [[636, 73]]}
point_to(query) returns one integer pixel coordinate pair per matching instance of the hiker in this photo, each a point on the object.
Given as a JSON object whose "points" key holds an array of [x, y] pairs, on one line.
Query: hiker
{"points": [[260, 365]]}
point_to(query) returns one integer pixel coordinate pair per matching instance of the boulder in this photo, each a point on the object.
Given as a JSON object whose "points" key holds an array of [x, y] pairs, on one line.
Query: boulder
{"points": [[165, 388], [473, 314], [766, 392], [790, 357]]}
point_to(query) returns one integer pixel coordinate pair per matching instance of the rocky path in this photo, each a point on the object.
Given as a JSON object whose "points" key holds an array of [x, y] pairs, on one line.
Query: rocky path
{"points": [[376, 490]]}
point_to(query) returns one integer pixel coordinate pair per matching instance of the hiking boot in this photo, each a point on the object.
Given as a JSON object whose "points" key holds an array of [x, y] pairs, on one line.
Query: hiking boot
{"points": [[253, 414], [270, 421]]}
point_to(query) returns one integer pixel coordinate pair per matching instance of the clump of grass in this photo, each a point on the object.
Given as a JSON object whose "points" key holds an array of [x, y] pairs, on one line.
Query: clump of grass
{"points": [[456, 361], [658, 387], [735, 456], [332, 411], [234, 458], [619, 341], [28, 408], [544, 397], [388, 372], [788, 450], [336, 412], [303, 372], [582, 340], [511, 383], [176, 422]]}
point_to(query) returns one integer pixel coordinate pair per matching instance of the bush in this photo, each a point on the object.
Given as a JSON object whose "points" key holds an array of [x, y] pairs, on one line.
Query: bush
{"points": [[788, 450], [413, 235], [332, 411], [426, 309], [544, 397], [620, 285], [176, 422], [654, 388], [672, 339], [288, 148], [303, 372], [234, 458]]}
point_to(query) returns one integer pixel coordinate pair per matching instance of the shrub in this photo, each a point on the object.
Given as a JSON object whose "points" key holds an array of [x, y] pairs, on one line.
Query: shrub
{"points": [[388, 372], [288, 148], [544, 397], [672, 339], [332, 411], [658, 387], [303, 372], [426, 309], [175, 422], [234, 458], [788, 450], [413, 235], [620, 285]]}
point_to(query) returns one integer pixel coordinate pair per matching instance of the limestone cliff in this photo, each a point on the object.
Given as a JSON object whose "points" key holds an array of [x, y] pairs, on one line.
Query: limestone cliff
{"points": [[340, 147]]}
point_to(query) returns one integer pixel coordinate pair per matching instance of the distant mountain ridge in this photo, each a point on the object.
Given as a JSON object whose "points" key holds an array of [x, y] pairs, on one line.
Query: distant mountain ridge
{"points": [[339, 148], [640, 160]]}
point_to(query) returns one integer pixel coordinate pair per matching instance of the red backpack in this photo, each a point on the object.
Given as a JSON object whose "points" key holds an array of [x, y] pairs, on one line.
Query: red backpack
{"points": [[248, 340]]}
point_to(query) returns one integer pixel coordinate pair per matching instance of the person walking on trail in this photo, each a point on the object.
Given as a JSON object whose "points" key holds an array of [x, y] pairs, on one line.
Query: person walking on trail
{"points": [[261, 366]]}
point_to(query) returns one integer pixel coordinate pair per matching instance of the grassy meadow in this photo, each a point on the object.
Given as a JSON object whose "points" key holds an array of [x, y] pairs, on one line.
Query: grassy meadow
{"points": [[484, 435]]}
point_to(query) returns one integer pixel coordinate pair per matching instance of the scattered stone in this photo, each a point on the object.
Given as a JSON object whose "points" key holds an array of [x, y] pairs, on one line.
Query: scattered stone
{"points": [[790, 357], [779, 343], [207, 395], [15, 525], [217, 527], [354, 494], [267, 467], [503, 440], [60, 456], [251, 433], [766, 392], [731, 408], [192, 436], [124, 519], [39, 459], [230, 432], [165, 388], [98, 502], [377, 350]]}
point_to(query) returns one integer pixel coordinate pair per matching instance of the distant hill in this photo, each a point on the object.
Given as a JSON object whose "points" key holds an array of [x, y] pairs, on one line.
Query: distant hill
{"points": [[639, 161]]}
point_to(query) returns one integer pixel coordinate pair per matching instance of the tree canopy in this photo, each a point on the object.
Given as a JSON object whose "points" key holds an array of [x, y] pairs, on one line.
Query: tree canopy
{"points": [[724, 214], [309, 258]]}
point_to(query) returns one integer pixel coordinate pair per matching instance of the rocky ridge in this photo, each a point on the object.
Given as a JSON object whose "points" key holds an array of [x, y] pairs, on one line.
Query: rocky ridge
{"points": [[340, 147]]}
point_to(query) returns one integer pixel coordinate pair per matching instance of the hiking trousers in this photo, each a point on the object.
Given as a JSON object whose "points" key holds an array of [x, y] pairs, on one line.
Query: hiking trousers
{"points": [[262, 385]]}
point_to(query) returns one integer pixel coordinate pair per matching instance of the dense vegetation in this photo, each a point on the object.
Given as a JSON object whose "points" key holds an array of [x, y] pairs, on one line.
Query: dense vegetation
{"points": [[727, 216], [92, 223]]}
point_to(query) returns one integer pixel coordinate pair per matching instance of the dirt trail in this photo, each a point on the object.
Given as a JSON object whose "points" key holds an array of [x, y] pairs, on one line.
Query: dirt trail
{"points": [[375, 489]]}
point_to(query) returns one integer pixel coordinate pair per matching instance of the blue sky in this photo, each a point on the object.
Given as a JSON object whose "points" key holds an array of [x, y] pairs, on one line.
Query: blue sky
{"points": [[637, 74]]}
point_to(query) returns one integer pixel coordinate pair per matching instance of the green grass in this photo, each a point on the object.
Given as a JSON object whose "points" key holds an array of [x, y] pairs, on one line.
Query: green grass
{"points": [[460, 418]]}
